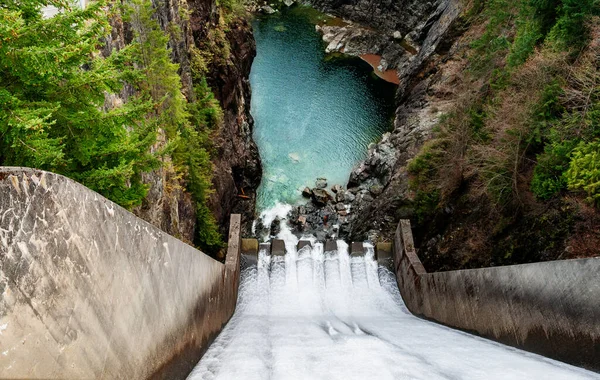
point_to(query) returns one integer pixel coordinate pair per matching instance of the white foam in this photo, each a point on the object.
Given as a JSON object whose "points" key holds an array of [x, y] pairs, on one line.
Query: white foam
{"points": [[316, 315]]}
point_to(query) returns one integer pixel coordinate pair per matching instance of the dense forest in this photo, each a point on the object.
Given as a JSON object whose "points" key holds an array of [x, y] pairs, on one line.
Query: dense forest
{"points": [[100, 118]]}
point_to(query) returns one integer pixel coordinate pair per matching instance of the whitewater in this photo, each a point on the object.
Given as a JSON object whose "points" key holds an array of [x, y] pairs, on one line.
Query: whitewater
{"points": [[326, 315]]}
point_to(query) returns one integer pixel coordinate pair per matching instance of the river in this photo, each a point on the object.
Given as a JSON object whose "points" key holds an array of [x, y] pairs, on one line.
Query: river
{"points": [[314, 114]]}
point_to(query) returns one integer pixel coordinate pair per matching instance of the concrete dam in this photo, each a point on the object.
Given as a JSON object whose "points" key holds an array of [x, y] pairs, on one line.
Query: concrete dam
{"points": [[88, 290]]}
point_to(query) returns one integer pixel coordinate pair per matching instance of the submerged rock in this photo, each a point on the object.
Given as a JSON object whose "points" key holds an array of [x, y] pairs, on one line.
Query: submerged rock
{"points": [[321, 183]]}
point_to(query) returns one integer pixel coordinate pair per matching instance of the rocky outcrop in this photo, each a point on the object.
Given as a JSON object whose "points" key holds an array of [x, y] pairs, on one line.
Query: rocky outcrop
{"points": [[404, 33], [408, 35], [237, 167]]}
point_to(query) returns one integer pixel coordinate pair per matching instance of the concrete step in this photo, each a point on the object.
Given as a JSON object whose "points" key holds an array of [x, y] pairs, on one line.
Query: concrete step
{"points": [[251, 247]]}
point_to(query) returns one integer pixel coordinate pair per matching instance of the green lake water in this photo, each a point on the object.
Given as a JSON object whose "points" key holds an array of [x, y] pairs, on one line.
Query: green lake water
{"points": [[314, 115]]}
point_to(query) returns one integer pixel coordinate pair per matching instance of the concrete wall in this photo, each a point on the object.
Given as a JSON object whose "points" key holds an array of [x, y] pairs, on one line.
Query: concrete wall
{"points": [[88, 290], [551, 308]]}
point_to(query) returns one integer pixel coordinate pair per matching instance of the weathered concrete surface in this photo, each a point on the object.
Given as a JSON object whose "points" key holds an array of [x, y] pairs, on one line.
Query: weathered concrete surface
{"points": [[88, 290], [550, 308], [357, 249], [250, 248], [330, 246], [303, 243], [277, 247]]}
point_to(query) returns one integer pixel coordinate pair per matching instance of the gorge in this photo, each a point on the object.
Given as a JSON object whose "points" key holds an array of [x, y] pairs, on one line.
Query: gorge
{"points": [[234, 187]]}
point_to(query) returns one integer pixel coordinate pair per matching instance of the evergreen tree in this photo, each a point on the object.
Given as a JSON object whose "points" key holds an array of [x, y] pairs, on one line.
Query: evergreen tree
{"points": [[53, 85]]}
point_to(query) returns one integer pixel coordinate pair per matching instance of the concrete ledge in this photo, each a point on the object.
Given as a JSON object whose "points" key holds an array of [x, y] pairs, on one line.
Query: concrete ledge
{"points": [[550, 308], [91, 291], [383, 254], [250, 251], [330, 246], [277, 247], [357, 249], [250, 247], [303, 243]]}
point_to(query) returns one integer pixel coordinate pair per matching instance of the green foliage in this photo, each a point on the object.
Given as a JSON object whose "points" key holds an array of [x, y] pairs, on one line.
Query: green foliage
{"points": [[52, 100], [529, 33], [186, 124], [205, 112], [57, 111], [494, 42], [571, 28], [584, 170], [548, 177]]}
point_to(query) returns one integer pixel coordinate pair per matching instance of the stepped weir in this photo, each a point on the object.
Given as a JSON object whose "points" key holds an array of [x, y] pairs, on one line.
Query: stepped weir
{"points": [[90, 291]]}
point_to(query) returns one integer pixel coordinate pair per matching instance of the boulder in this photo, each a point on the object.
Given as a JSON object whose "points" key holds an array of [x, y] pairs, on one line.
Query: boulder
{"points": [[349, 197], [275, 227], [320, 197], [307, 192], [376, 189], [267, 9], [302, 220], [337, 188], [340, 206]]}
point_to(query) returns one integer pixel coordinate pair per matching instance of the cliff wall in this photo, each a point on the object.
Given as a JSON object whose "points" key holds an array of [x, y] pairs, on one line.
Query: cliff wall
{"points": [[227, 49]]}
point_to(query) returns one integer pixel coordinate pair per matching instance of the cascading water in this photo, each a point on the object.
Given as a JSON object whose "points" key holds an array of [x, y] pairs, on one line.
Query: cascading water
{"points": [[325, 315]]}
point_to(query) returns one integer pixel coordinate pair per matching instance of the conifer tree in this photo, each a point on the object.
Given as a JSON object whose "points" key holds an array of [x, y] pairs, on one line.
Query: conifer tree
{"points": [[52, 93]]}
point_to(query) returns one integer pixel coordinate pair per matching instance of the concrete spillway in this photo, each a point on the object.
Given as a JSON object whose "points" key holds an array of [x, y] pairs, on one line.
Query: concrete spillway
{"points": [[326, 315], [87, 290]]}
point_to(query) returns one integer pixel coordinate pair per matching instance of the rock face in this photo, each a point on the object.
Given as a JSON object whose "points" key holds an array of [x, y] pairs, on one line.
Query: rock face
{"points": [[237, 168], [404, 33], [408, 35]]}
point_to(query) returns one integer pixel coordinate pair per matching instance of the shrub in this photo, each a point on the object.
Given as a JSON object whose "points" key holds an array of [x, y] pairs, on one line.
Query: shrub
{"points": [[584, 170]]}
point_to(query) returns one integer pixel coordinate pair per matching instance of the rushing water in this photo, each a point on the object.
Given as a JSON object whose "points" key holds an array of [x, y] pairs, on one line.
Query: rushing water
{"points": [[315, 315], [314, 115]]}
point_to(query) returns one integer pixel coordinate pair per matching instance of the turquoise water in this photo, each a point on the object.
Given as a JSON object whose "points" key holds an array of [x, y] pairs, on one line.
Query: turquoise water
{"points": [[314, 116]]}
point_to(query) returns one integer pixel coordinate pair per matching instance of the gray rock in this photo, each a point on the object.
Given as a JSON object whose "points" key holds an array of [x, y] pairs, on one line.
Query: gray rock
{"points": [[366, 198], [267, 9], [340, 196], [321, 235], [321, 183], [340, 206], [349, 197], [337, 188], [376, 189]]}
